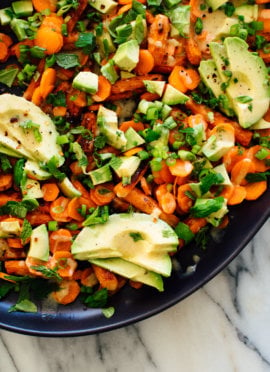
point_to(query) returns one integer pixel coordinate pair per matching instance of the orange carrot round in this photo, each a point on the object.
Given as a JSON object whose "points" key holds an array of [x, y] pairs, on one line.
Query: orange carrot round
{"points": [[146, 62], [6, 39], [5, 181], [181, 168], [104, 89], [49, 39], [102, 195], [41, 5], [58, 209], [50, 191], [255, 190], [3, 51], [240, 170], [183, 200], [238, 195]]}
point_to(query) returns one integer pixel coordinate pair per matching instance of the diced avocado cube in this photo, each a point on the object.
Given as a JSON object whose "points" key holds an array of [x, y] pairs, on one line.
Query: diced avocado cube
{"points": [[180, 19], [217, 145], [125, 166], [248, 11], [22, 8], [261, 124], [171, 3], [127, 55], [9, 229], [103, 6], [165, 111], [86, 81], [101, 175], [107, 122], [173, 96], [4, 16], [154, 86], [133, 139], [215, 217], [109, 72], [32, 190], [68, 189], [107, 117], [215, 4], [39, 243], [221, 169]]}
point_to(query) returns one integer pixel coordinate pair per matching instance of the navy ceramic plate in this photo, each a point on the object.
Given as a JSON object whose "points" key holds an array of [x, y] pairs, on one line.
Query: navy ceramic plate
{"points": [[133, 305]]}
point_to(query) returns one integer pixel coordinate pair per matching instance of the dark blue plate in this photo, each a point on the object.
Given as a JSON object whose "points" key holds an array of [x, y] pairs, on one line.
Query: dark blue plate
{"points": [[135, 305]]}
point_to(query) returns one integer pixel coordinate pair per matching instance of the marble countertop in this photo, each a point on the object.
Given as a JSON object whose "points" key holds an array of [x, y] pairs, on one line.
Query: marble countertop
{"points": [[224, 327]]}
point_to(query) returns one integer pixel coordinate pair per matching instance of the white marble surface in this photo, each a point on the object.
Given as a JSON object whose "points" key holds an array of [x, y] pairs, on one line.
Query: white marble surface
{"points": [[224, 327]]}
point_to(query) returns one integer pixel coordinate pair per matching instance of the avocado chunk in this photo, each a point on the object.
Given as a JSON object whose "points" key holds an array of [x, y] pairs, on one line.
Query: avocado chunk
{"points": [[86, 81], [173, 96], [218, 144], [215, 4], [103, 6], [125, 166], [32, 190], [9, 229], [156, 87], [68, 189], [130, 271], [133, 139], [39, 243], [16, 117], [137, 238], [107, 122], [127, 55], [5, 17], [22, 8]]}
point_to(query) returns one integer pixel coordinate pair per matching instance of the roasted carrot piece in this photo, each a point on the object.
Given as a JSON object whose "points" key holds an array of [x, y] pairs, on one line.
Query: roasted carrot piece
{"points": [[5, 181], [146, 186], [166, 199], [235, 154], [102, 194], [105, 278], [6, 39], [65, 264], [240, 170], [60, 240], [4, 277], [142, 202], [50, 191], [175, 79], [131, 124], [41, 5], [73, 209], [133, 151], [260, 165], [181, 168], [47, 82], [183, 200], [68, 292], [193, 51], [255, 190], [88, 277], [37, 97], [196, 224], [146, 62], [157, 38], [49, 39], [58, 209], [15, 243], [3, 51], [239, 194], [104, 89], [53, 21], [16, 267]]}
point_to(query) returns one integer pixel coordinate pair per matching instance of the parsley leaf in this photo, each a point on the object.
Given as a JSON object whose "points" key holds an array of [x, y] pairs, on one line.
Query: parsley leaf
{"points": [[86, 41], [67, 60], [136, 236], [48, 273], [204, 207], [97, 299], [26, 230]]}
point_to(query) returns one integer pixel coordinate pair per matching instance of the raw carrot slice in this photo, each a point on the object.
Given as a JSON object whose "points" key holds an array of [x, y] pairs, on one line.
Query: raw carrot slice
{"points": [[106, 278], [102, 194], [240, 170], [183, 200], [16, 267]]}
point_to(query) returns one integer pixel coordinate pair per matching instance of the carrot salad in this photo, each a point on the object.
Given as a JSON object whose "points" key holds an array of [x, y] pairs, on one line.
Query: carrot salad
{"points": [[158, 107]]}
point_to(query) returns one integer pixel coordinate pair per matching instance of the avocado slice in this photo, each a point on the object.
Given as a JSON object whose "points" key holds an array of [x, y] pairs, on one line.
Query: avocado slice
{"points": [[137, 238], [249, 81], [15, 112], [39, 243], [130, 271]]}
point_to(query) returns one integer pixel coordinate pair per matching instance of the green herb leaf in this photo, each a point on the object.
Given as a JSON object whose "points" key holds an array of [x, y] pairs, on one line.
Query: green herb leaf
{"points": [[136, 236], [97, 299], [67, 60], [5, 288], [7, 76], [26, 230], [48, 273], [204, 207], [100, 215], [25, 306], [5, 163], [183, 232], [108, 312]]}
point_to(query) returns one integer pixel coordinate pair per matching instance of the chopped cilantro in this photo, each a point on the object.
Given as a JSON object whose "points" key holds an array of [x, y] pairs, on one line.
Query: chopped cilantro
{"points": [[136, 236]]}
